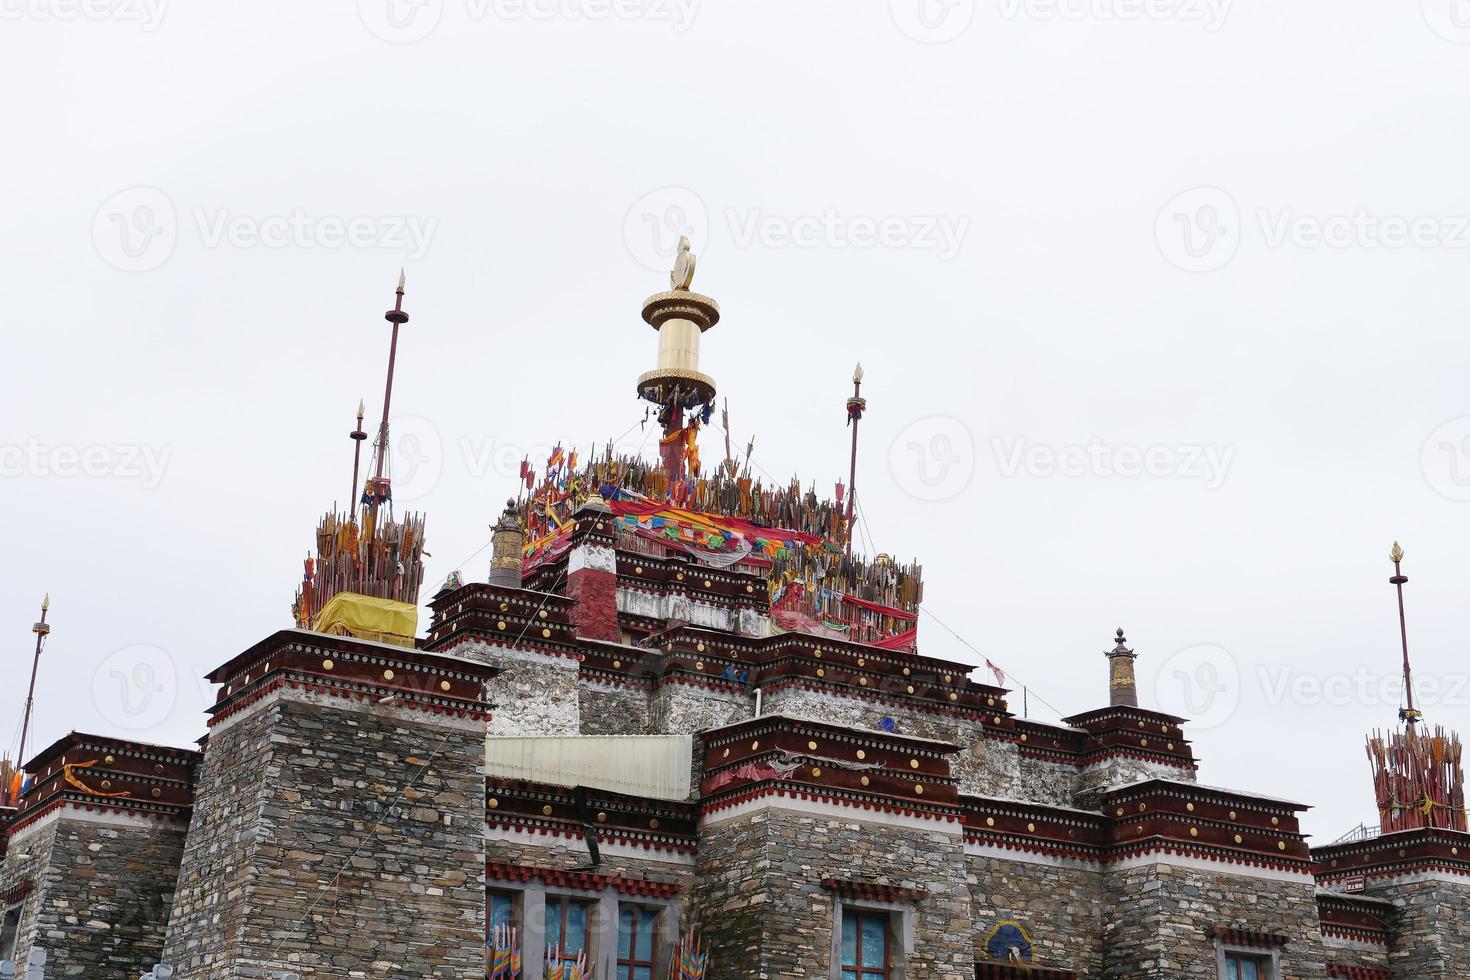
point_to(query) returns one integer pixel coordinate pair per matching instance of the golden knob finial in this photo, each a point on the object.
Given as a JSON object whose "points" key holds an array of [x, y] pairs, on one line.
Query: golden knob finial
{"points": [[1397, 554], [857, 375]]}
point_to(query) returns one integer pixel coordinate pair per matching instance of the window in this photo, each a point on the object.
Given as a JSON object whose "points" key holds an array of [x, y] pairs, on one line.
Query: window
{"points": [[501, 909], [9, 933], [864, 945], [566, 925], [636, 942], [1241, 967]]}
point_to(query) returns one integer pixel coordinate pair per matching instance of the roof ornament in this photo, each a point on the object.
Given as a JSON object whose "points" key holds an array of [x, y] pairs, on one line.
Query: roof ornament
{"points": [[683, 273], [1122, 685]]}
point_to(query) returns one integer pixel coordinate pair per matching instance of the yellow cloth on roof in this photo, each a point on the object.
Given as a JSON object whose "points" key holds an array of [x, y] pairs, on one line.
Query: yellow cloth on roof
{"points": [[368, 618]]}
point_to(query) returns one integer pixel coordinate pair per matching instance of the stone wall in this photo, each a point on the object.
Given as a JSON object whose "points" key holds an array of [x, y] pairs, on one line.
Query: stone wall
{"points": [[1433, 938], [534, 693], [1059, 904], [682, 709], [25, 867], [103, 884], [984, 766], [766, 914], [614, 709], [1097, 778], [1160, 917], [355, 846]]}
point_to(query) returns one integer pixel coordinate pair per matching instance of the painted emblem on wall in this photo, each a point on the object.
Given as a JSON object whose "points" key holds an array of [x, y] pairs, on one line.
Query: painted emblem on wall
{"points": [[1008, 940]]}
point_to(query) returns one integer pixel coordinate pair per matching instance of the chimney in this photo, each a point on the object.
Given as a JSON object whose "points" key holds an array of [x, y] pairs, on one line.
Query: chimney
{"points": [[506, 542], [1122, 688]]}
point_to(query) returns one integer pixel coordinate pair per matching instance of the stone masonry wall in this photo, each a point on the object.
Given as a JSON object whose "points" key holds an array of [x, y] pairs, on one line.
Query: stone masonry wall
{"points": [[1159, 919], [765, 914], [25, 861], [363, 854], [110, 884], [534, 694], [685, 709], [1099, 777], [614, 709], [1433, 940], [1060, 906], [209, 908], [984, 766]]}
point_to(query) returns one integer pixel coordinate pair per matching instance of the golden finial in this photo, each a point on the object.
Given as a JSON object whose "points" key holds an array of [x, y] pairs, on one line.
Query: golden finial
{"points": [[857, 375], [1397, 554], [402, 281], [361, 410], [683, 273], [46, 602]]}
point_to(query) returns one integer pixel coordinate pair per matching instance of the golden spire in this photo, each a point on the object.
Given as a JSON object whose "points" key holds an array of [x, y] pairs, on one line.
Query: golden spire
{"points": [[1397, 554]]}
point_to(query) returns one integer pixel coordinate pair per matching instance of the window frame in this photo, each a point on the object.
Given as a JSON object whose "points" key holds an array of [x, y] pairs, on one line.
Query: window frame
{"points": [[566, 900], [860, 917], [17, 909], [899, 922], [1268, 961], [633, 962]]}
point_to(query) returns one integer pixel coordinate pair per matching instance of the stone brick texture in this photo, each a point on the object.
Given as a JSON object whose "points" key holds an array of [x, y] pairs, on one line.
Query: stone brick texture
{"points": [[1158, 920], [534, 693], [1432, 941], [1060, 905], [102, 889], [614, 709], [354, 848], [760, 899]]}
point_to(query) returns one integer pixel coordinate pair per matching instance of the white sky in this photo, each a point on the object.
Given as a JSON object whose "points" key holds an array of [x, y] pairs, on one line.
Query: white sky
{"points": [[519, 157]]}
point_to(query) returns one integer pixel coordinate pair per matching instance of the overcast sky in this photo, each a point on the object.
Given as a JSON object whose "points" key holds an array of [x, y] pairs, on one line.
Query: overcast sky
{"points": [[1161, 303]]}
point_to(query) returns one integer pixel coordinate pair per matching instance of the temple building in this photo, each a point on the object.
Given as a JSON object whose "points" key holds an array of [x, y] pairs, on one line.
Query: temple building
{"points": [[684, 728]]}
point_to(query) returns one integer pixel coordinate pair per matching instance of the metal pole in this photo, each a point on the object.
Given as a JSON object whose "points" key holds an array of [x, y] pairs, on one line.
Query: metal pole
{"points": [[357, 435], [855, 406], [1398, 580], [397, 317], [42, 631]]}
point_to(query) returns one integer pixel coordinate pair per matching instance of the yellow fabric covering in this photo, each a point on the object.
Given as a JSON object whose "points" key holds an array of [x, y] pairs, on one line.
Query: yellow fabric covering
{"points": [[369, 618]]}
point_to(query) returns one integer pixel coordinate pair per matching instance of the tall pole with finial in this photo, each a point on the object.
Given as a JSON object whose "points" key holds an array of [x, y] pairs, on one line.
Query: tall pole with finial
{"points": [[358, 436], [1409, 714], [42, 630], [397, 317], [855, 407]]}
